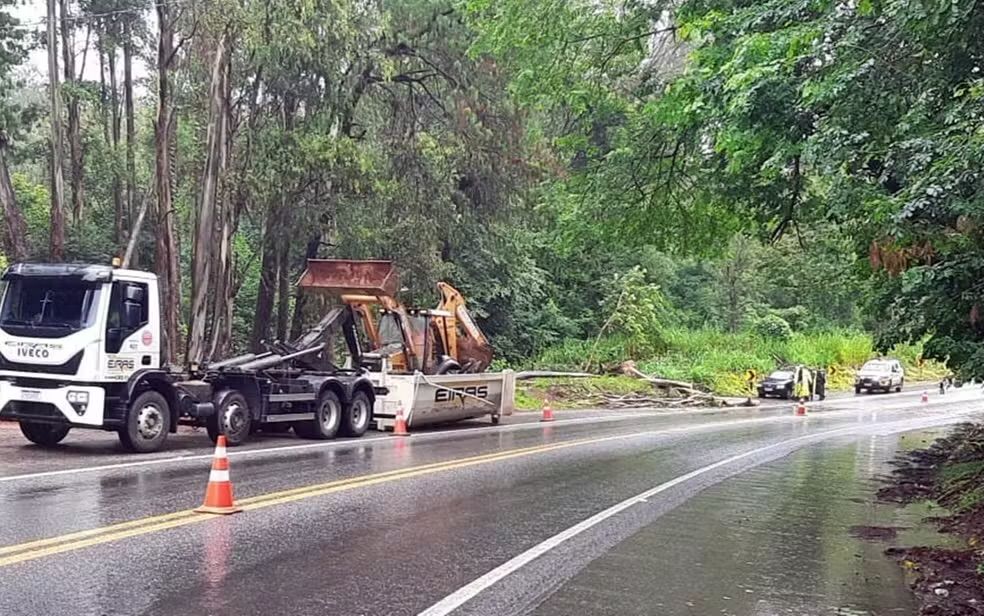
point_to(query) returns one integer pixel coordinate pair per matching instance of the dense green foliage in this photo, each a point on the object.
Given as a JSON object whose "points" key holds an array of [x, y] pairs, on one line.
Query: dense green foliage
{"points": [[602, 180]]}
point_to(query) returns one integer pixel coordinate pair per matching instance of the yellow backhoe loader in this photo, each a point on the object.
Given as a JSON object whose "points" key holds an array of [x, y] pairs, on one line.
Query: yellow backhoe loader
{"points": [[443, 340]]}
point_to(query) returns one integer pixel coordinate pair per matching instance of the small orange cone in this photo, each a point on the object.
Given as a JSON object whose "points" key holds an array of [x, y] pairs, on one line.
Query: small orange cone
{"points": [[218, 495], [925, 397], [400, 426], [547, 412], [801, 408]]}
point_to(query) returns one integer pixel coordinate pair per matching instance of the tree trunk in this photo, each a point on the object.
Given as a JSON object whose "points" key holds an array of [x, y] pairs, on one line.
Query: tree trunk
{"points": [[202, 254], [131, 166], [283, 288], [283, 257], [224, 285], [57, 244], [15, 239], [166, 263], [273, 269], [103, 92], [301, 299], [114, 107], [74, 125], [224, 294], [268, 281]]}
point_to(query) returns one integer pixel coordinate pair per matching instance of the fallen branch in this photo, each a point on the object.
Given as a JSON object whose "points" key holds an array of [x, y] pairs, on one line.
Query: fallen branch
{"points": [[629, 369]]}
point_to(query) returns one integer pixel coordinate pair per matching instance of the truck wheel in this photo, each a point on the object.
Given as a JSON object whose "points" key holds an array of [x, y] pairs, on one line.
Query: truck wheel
{"points": [[231, 418], [148, 420], [46, 435], [327, 417], [355, 420]]}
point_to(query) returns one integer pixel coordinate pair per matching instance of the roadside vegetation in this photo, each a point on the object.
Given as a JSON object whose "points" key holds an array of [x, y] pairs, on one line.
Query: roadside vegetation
{"points": [[947, 581], [713, 360]]}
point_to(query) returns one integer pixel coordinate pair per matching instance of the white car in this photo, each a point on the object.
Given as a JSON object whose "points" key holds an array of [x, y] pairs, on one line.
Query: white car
{"points": [[880, 375]]}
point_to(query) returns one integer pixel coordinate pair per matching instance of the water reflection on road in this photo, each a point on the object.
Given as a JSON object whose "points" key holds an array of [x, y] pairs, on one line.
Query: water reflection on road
{"points": [[774, 540]]}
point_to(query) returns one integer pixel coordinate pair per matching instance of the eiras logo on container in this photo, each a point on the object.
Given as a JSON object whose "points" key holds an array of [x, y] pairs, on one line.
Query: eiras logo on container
{"points": [[459, 393]]}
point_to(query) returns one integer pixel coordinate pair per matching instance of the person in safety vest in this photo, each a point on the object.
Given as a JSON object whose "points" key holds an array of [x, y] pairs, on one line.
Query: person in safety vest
{"points": [[802, 383]]}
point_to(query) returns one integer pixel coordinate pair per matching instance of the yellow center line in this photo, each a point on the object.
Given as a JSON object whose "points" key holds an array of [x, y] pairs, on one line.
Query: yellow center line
{"points": [[18, 553]]}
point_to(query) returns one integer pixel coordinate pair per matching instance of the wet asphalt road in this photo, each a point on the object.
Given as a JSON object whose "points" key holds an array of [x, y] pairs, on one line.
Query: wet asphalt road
{"points": [[479, 519]]}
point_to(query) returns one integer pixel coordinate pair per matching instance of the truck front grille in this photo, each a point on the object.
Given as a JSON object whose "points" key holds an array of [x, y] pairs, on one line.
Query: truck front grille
{"points": [[39, 411], [70, 367]]}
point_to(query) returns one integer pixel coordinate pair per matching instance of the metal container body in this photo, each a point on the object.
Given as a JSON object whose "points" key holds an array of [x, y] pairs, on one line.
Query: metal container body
{"points": [[436, 399]]}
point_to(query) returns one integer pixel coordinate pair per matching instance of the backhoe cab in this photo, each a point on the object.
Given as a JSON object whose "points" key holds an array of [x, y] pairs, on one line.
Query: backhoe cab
{"points": [[442, 340]]}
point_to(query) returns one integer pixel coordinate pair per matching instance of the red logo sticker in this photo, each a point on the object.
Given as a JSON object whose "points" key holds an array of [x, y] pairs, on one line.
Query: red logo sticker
{"points": [[147, 338]]}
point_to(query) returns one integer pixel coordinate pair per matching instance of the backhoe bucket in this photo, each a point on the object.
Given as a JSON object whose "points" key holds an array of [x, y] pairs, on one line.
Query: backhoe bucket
{"points": [[346, 277]]}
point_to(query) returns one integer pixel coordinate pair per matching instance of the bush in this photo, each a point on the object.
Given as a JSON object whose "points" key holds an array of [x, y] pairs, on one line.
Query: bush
{"points": [[773, 326]]}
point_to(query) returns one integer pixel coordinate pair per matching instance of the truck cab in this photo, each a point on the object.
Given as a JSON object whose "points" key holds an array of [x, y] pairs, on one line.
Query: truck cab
{"points": [[74, 341]]}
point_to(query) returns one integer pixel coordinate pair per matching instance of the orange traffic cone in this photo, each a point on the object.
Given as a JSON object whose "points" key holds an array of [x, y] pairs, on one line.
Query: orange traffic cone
{"points": [[547, 412], [801, 408], [400, 425], [218, 495], [925, 397]]}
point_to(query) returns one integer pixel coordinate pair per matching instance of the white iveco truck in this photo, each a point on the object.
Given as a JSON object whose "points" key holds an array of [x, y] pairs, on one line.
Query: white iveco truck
{"points": [[80, 347]]}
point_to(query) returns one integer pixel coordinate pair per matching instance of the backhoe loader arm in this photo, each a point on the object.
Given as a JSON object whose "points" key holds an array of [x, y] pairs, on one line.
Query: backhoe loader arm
{"points": [[473, 350]]}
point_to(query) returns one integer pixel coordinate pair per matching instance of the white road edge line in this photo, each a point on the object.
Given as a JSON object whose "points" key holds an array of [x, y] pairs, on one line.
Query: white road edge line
{"points": [[468, 592]]}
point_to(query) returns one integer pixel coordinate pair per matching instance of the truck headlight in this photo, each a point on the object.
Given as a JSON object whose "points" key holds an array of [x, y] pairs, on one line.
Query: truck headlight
{"points": [[81, 397], [79, 401]]}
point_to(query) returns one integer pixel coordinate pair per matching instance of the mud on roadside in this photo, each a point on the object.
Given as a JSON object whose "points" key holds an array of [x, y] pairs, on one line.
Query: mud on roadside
{"points": [[946, 581]]}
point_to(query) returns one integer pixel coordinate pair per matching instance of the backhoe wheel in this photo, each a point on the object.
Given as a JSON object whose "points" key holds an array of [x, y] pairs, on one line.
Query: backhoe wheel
{"points": [[327, 418], [355, 420], [232, 418], [148, 421], [46, 435]]}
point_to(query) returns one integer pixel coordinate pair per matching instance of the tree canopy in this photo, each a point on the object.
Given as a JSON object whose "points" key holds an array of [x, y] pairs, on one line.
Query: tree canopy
{"points": [[721, 162]]}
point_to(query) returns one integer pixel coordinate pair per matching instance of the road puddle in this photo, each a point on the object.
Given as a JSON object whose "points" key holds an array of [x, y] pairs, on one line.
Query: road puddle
{"points": [[800, 536]]}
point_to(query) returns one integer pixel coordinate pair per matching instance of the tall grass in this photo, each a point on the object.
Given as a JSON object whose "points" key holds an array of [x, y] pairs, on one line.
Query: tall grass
{"points": [[719, 360]]}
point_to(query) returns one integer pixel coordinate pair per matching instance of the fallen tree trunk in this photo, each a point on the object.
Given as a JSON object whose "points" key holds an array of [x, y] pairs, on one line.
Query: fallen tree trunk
{"points": [[676, 394], [547, 374]]}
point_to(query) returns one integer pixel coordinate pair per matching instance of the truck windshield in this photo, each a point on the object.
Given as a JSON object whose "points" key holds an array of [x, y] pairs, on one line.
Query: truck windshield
{"points": [[48, 307]]}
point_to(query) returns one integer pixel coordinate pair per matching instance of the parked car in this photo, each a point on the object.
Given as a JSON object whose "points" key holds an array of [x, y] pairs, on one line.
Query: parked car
{"points": [[880, 375], [782, 383], [779, 384]]}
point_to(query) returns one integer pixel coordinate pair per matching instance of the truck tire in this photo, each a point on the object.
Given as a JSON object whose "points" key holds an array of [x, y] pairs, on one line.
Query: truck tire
{"points": [[355, 419], [46, 435], [148, 421], [231, 418], [327, 418]]}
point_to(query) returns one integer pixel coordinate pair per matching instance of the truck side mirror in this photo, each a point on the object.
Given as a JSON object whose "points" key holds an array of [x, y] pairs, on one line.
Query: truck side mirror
{"points": [[131, 315], [133, 293]]}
